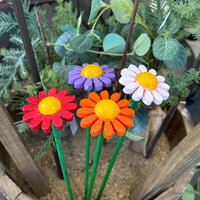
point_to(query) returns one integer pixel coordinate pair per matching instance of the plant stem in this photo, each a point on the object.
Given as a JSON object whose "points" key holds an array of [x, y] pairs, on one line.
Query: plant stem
{"points": [[110, 166], [95, 164], [127, 41], [87, 157], [62, 160], [134, 105]]}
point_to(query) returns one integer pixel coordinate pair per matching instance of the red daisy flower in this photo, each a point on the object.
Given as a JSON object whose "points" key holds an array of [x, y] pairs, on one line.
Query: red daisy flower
{"points": [[54, 107]]}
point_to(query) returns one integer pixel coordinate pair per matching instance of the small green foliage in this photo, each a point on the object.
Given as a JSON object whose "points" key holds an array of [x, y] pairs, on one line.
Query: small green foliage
{"points": [[50, 143], [179, 84], [22, 127], [64, 15]]}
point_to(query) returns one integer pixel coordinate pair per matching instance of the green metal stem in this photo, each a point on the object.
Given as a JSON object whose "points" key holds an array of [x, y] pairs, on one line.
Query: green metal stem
{"points": [[87, 157], [62, 160], [134, 105], [110, 166], [95, 164]]}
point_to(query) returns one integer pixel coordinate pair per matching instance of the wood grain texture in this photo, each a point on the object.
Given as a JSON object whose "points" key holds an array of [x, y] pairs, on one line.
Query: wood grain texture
{"points": [[181, 159], [11, 141]]}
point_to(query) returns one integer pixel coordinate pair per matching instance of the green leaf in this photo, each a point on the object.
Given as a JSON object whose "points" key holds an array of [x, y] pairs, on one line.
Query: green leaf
{"points": [[113, 43], [142, 44], [134, 137], [62, 70], [64, 39], [179, 61], [81, 43], [67, 27], [79, 24], [140, 121], [165, 49], [95, 7], [171, 24], [122, 15], [97, 36], [188, 193]]}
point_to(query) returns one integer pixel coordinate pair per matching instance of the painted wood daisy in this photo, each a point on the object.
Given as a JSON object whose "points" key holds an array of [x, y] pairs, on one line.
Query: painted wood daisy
{"points": [[143, 84], [53, 107], [112, 114], [91, 76]]}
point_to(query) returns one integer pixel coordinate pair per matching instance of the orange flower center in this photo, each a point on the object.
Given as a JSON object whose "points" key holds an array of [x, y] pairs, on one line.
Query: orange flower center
{"points": [[106, 109], [49, 105], [147, 80], [91, 71]]}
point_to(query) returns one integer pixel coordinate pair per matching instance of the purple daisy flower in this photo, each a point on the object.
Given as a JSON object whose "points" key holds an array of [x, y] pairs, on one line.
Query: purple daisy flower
{"points": [[91, 76]]}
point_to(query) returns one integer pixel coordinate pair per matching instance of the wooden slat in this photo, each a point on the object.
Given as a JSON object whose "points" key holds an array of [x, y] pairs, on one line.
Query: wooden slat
{"points": [[182, 158], [11, 141]]}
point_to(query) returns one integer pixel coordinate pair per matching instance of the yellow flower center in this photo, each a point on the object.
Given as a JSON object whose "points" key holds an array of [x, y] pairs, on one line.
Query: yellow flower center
{"points": [[91, 71], [49, 105], [147, 80], [106, 109]]}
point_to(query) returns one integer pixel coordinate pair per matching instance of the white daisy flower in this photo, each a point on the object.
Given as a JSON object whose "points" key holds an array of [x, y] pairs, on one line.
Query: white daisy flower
{"points": [[143, 84]]}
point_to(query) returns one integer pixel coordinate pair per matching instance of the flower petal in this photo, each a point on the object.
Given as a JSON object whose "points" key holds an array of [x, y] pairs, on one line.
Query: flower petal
{"points": [[106, 81], [124, 72], [134, 69], [87, 103], [107, 130], [126, 121], [42, 94], [153, 71], [33, 100], [104, 94], [57, 121], [161, 79], [110, 76], [94, 97], [52, 92], [88, 85], [115, 97], [98, 85], [130, 87], [128, 112], [124, 103], [78, 83], [157, 98], [126, 79], [88, 121], [72, 78], [147, 97], [66, 115], [104, 66], [46, 123], [62, 93], [118, 127], [96, 127], [28, 116], [109, 70], [164, 86], [96, 63], [28, 108], [85, 64], [67, 99], [79, 68], [70, 107], [84, 112], [74, 72], [35, 123], [137, 95], [163, 93], [142, 68]]}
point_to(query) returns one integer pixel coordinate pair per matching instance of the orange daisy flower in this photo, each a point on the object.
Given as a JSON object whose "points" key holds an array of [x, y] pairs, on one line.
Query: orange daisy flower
{"points": [[112, 114]]}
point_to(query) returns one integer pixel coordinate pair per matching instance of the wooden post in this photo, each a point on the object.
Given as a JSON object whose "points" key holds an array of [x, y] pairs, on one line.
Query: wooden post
{"points": [[178, 165], [12, 143]]}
